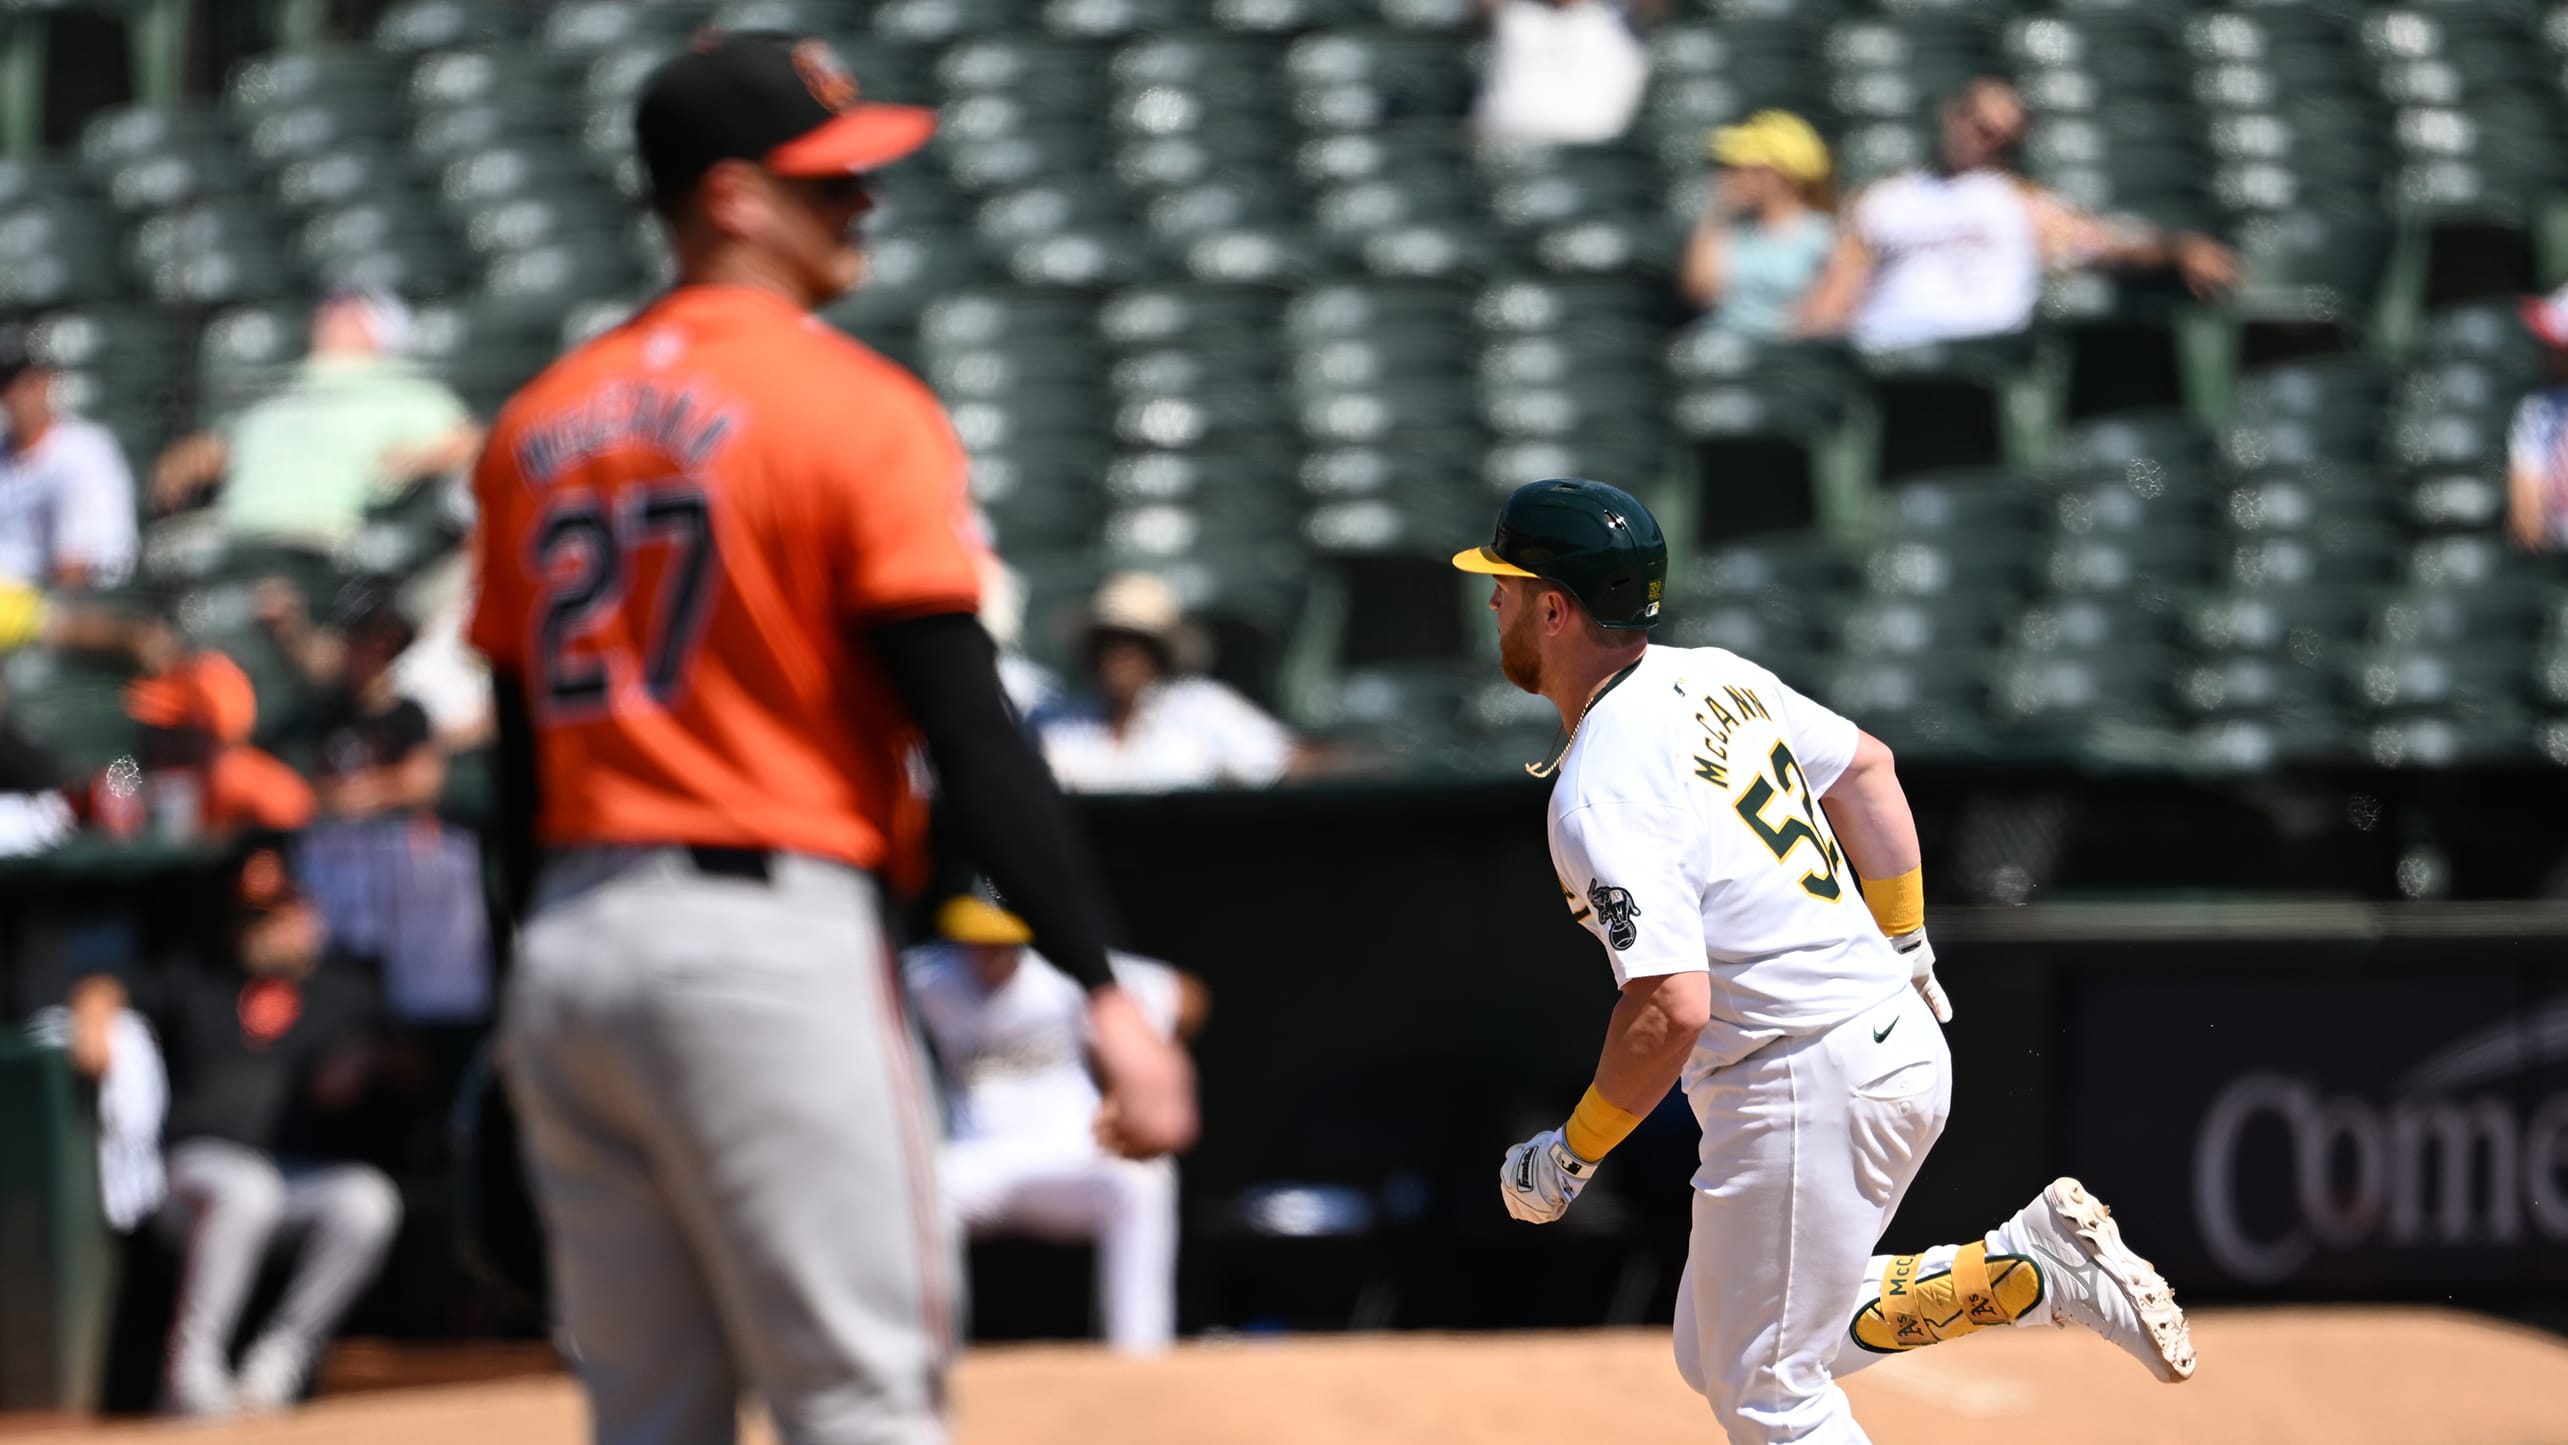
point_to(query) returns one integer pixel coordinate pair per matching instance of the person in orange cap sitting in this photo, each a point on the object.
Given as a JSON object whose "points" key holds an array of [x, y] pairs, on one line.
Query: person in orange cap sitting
{"points": [[200, 711]]}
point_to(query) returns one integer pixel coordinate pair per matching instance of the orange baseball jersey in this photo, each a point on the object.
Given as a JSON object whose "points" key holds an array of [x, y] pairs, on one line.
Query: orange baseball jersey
{"points": [[681, 524]]}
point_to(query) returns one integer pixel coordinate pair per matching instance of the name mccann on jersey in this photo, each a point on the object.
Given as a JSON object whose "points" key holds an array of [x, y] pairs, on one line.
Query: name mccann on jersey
{"points": [[675, 423], [1712, 765]]}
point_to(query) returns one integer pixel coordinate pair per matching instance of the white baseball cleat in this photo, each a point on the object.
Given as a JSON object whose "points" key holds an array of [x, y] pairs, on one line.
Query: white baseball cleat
{"points": [[2097, 1281]]}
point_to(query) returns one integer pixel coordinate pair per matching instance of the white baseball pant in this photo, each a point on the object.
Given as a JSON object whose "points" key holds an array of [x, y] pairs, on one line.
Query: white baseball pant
{"points": [[1075, 1191], [1808, 1146]]}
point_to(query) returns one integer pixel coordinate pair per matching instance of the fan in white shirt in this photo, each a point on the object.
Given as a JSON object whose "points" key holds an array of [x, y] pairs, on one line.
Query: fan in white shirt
{"points": [[1561, 72], [1155, 727], [1023, 1156], [66, 495], [1959, 251]]}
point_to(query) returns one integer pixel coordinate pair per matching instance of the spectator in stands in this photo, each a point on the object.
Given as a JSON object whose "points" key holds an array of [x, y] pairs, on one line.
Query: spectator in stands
{"points": [[1766, 228], [265, 1045], [66, 497], [439, 670], [2537, 442], [1024, 1156], [1154, 725], [357, 427], [1959, 251], [391, 879], [1560, 72], [198, 713]]}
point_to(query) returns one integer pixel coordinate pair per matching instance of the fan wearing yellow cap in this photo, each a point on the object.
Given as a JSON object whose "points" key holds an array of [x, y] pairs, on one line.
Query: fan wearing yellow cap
{"points": [[1766, 227]]}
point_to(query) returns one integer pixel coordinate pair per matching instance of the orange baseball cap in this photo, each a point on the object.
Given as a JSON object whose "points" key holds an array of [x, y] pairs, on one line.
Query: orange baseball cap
{"points": [[781, 100], [207, 691]]}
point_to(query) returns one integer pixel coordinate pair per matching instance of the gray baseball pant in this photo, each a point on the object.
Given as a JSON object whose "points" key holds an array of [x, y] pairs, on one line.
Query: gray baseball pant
{"points": [[238, 1201], [726, 1129]]}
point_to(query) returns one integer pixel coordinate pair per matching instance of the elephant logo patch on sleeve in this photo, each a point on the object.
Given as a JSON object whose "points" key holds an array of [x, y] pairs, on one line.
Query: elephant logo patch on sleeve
{"points": [[1615, 911]]}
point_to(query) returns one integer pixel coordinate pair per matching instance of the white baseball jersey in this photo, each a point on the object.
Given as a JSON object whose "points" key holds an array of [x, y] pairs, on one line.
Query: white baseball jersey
{"points": [[1954, 256], [1016, 1056], [1687, 832]]}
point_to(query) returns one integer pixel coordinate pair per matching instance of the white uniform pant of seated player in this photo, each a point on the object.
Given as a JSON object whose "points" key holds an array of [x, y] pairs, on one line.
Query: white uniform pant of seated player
{"points": [[1070, 1192], [1808, 1146]]}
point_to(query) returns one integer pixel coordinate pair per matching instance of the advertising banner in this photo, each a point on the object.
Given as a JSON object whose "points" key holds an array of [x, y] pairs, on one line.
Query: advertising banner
{"points": [[2397, 1128]]}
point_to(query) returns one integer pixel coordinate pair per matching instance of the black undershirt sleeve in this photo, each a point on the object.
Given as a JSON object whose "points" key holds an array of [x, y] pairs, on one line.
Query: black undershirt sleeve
{"points": [[514, 783], [993, 788]]}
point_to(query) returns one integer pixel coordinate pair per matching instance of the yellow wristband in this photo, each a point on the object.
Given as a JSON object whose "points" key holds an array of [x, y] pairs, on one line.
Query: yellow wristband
{"points": [[1597, 1125], [1898, 904]]}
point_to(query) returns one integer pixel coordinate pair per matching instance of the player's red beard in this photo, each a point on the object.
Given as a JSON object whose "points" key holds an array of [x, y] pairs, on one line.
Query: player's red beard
{"points": [[1519, 655]]}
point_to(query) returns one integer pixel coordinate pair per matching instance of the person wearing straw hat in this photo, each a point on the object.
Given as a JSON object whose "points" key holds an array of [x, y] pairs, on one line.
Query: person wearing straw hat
{"points": [[1156, 724], [1022, 1157], [1766, 228]]}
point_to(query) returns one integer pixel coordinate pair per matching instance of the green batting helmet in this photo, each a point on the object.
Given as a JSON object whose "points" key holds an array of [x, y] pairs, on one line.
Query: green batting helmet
{"points": [[1597, 541]]}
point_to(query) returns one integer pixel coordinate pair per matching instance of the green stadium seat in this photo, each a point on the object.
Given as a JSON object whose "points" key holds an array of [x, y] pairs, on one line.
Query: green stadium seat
{"points": [[1114, 19], [2296, 441], [2067, 692], [2303, 500], [2312, 262], [571, 30], [2469, 736], [2471, 561], [2113, 502], [59, 257], [2257, 744], [1929, 702], [1760, 629], [2154, 563], [2089, 624], [2334, 556], [2489, 332], [1895, 626], [2273, 619], [2141, 445], [2469, 499], [1801, 567], [1997, 508], [2341, 396], [416, 27], [2455, 619], [1916, 568], [2257, 685], [335, 75], [2410, 677]]}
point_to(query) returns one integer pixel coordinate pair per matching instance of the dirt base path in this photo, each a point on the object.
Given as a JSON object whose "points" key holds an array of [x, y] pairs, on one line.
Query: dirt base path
{"points": [[2268, 1377]]}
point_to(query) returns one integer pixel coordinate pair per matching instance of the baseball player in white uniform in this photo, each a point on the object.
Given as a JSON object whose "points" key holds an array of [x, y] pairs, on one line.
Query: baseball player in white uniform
{"points": [[1021, 1155], [1748, 861]]}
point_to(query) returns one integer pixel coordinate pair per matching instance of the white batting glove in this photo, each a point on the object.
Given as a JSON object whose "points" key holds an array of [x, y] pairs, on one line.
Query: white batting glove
{"points": [[1540, 1177], [1920, 954]]}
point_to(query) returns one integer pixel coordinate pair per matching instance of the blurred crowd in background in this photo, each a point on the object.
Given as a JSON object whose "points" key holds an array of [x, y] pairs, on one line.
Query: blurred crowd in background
{"points": [[248, 632]]}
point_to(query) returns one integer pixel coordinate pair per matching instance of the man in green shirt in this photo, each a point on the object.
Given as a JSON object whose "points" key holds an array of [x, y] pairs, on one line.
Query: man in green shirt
{"points": [[355, 427]]}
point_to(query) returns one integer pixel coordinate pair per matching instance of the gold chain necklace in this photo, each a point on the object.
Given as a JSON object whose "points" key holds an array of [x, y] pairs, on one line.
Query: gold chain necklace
{"points": [[1570, 739]]}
